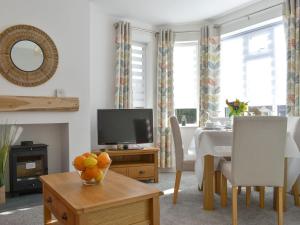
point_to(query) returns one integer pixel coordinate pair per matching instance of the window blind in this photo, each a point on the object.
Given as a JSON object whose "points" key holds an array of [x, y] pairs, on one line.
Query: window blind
{"points": [[139, 75]]}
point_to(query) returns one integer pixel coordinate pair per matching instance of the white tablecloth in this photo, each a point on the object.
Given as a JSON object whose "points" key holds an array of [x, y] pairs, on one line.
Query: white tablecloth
{"points": [[218, 143]]}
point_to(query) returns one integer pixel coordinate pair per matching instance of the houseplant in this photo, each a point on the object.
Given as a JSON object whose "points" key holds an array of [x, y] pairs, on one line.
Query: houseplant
{"points": [[237, 107], [9, 134]]}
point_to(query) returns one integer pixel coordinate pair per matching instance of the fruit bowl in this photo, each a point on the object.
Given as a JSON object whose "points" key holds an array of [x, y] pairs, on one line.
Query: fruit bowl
{"points": [[92, 168]]}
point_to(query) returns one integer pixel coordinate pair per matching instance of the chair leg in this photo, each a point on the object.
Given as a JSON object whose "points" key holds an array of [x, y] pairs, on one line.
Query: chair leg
{"points": [[239, 190], [234, 204], [217, 182], [176, 188], [223, 191], [262, 197], [296, 193], [200, 188], [280, 205], [248, 196]]}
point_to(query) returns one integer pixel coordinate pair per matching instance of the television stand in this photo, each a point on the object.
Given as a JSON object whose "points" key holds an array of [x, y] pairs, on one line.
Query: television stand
{"points": [[140, 164]]}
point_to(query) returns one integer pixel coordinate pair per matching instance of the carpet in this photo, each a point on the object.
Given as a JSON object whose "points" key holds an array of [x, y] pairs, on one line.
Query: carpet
{"points": [[188, 210]]}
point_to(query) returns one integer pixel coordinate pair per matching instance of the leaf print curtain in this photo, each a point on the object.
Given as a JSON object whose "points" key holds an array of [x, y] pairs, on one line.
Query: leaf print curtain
{"points": [[292, 27], [123, 66], [209, 70], [165, 106]]}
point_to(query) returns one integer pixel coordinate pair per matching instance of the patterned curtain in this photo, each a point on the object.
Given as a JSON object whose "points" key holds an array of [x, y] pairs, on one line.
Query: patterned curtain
{"points": [[292, 25], [165, 108], [123, 66], [209, 70]]}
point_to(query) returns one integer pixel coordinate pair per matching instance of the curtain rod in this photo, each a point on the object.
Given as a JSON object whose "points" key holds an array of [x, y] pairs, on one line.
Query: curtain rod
{"points": [[249, 15], [217, 25], [116, 25]]}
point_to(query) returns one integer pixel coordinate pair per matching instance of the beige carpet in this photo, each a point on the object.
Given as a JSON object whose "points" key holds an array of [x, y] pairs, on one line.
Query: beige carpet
{"points": [[188, 211]]}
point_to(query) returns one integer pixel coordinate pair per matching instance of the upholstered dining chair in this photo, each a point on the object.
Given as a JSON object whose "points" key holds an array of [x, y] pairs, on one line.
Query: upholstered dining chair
{"points": [[293, 127], [257, 158], [181, 163]]}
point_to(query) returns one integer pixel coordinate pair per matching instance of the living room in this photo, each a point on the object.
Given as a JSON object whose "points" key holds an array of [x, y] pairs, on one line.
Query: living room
{"points": [[186, 72]]}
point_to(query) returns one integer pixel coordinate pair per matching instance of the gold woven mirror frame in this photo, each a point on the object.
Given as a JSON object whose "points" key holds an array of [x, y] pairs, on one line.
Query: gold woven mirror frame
{"points": [[14, 34]]}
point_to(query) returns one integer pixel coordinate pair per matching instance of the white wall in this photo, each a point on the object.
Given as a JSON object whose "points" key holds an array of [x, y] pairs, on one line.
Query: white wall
{"points": [[102, 63], [66, 22]]}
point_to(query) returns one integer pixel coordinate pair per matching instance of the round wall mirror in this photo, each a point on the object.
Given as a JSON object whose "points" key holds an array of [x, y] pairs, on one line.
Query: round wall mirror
{"points": [[27, 55]]}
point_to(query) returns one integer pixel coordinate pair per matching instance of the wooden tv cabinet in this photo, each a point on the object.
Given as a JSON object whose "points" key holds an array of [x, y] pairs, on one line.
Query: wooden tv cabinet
{"points": [[138, 164]]}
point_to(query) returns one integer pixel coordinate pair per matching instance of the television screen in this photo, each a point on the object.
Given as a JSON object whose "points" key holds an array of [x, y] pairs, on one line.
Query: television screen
{"points": [[125, 126]]}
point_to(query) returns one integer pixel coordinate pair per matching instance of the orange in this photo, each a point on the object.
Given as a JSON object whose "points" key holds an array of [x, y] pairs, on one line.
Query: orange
{"points": [[103, 160], [83, 176], [91, 173], [79, 163], [87, 154]]}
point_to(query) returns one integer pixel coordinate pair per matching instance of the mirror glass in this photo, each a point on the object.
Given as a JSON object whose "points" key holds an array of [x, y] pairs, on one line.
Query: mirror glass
{"points": [[27, 55]]}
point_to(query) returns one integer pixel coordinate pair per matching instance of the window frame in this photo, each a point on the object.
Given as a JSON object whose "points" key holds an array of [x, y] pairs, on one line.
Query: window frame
{"points": [[246, 35], [187, 43]]}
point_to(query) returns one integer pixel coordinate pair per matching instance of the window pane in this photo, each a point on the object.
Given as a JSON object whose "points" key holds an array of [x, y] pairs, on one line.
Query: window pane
{"points": [[253, 68], [231, 77], [186, 78], [259, 43], [280, 67], [259, 82]]}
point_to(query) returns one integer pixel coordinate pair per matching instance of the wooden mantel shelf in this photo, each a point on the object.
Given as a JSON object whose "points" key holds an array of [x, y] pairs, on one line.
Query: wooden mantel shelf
{"points": [[38, 103]]}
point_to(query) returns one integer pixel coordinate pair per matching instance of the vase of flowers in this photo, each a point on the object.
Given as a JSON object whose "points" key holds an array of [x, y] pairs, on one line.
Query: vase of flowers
{"points": [[9, 134], [237, 107]]}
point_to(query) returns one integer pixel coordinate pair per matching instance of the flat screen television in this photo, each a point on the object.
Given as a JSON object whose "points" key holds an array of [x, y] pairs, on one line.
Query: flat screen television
{"points": [[125, 126]]}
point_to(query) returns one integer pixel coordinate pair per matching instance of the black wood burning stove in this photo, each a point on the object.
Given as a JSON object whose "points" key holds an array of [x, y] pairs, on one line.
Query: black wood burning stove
{"points": [[27, 163]]}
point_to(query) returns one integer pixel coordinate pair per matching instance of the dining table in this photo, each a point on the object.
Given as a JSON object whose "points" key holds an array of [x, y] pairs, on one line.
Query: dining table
{"points": [[211, 145]]}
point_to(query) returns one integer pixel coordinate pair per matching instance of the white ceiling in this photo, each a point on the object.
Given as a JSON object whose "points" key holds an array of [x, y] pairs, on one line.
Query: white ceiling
{"points": [[159, 12]]}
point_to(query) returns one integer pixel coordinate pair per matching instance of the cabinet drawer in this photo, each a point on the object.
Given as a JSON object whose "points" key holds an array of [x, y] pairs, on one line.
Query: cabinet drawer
{"points": [[120, 170], [58, 209], [141, 171]]}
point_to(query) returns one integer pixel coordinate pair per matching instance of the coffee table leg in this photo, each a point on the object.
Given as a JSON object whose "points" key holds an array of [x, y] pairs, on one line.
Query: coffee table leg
{"points": [[208, 183], [47, 216], [155, 211]]}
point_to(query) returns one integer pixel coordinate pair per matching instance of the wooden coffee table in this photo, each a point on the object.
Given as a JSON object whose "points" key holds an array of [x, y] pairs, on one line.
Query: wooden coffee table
{"points": [[118, 201]]}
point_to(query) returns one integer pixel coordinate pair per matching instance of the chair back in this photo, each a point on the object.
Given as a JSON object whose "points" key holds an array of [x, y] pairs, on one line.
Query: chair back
{"points": [[293, 127], [258, 151], [179, 154]]}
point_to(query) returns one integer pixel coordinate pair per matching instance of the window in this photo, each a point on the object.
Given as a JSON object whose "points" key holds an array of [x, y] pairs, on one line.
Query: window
{"points": [[186, 81], [138, 75], [253, 68]]}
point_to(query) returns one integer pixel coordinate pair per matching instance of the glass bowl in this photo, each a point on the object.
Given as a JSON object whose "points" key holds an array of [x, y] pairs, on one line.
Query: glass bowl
{"points": [[87, 175]]}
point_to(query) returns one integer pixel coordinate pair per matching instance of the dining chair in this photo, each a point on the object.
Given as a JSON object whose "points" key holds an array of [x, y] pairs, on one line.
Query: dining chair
{"points": [[257, 158], [293, 127], [181, 163]]}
